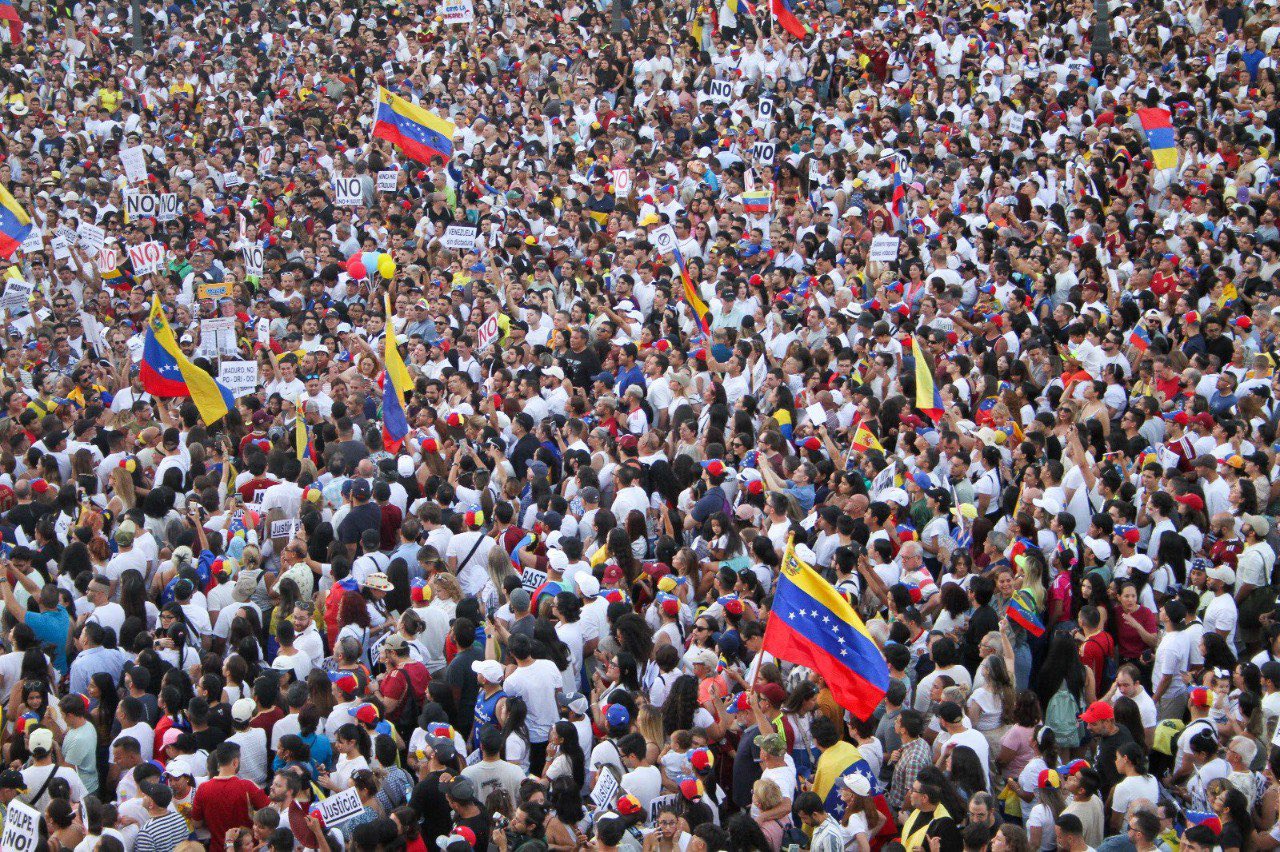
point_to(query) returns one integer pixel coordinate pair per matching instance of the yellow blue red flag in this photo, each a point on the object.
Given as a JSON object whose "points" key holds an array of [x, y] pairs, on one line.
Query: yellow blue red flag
{"points": [[166, 372], [396, 383], [420, 133]]}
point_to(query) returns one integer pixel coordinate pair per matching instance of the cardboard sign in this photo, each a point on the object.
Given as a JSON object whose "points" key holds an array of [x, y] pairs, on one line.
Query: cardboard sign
{"points": [[139, 206], [1016, 122], [91, 237], [622, 183], [458, 11], [460, 237], [239, 377], [135, 164], [721, 90], [170, 207], [252, 259], [33, 243], [663, 239], [605, 792], [387, 180], [347, 192], [213, 292], [488, 333], [22, 828], [339, 807], [147, 257], [17, 295], [884, 249], [764, 152], [531, 579], [219, 336]]}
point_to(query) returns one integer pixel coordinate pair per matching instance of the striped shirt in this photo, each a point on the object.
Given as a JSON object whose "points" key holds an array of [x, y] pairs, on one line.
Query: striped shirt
{"points": [[162, 834]]}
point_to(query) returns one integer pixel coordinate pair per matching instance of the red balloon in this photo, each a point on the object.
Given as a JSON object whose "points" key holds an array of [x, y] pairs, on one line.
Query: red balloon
{"points": [[356, 270]]}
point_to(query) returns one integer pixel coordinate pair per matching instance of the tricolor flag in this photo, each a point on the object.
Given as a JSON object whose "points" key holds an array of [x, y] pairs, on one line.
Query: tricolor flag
{"points": [[1157, 124], [419, 133], [899, 191], [15, 224], [1022, 611], [1139, 339], [396, 383], [700, 310], [928, 399], [756, 201], [10, 14], [787, 20]]}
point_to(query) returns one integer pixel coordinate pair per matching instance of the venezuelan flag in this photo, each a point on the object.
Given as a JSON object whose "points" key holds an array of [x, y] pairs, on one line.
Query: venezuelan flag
{"points": [[756, 201], [700, 310], [15, 224], [812, 625], [1022, 611], [785, 426], [1208, 819], [1139, 339], [420, 133], [10, 14], [787, 20], [899, 191], [1157, 124], [300, 441], [166, 372], [928, 399], [396, 383]]}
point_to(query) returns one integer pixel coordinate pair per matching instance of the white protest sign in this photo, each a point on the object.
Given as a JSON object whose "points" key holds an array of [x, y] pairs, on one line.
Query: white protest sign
{"points": [[147, 257], [387, 180], [252, 259], [108, 259], [764, 152], [170, 207], [219, 334], [460, 237], [266, 154], [22, 828], [33, 243], [17, 295], [91, 237], [458, 11], [285, 528], [231, 179], [765, 111], [605, 791], [531, 579], [1016, 122], [884, 249], [347, 192], [622, 183], [135, 164], [239, 377], [67, 233], [61, 248], [487, 333], [663, 239], [1220, 63], [339, 807], [656, 806], [139, 206], [721, 90]]}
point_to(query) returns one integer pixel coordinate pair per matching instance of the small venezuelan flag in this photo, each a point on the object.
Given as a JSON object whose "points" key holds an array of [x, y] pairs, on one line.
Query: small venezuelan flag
{"points": [[691, 295], [420, 133], [1139, 339], [1022, 611], [15, 224], [812, 625], [756, 201], [1157, 124]]}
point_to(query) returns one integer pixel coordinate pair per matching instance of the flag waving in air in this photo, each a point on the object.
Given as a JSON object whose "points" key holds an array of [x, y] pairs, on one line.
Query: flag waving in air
{"points": [[928, 399], [1157, 124], [15, 224], [166, 372], [700, 310], [787, 20], [420, 133]]}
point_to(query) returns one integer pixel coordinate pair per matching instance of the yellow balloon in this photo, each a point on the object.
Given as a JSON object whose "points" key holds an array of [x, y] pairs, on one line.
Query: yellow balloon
{"points": [[386, 266]]}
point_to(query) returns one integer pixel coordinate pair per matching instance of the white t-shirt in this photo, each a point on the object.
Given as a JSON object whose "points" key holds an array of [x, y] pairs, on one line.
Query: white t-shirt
{"points": [[976, 741], [536, 683], [1221, 615], [1132, 788], [643, 782]]}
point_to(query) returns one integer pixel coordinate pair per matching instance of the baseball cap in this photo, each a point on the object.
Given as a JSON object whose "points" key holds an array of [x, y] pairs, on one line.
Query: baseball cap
{"points": [[701, 656], [490, 670], [617, 716], [41, 739], [1222, 574], [158, 793], [771, 744], [588, 585], [462, 790], [243, 709], [776, 694], [1098, 711], [11, 779]]}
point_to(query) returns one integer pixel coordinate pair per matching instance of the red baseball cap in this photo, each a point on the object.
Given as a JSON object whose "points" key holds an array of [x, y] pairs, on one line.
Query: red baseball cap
{"points": [[1098, 711]]}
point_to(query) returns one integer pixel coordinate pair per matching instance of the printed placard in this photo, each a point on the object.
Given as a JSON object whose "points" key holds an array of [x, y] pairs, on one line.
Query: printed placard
{"points": [[664, 239], [61, 247], [140, 206], [147, 257], [339, 807], [764, 152], [661, 802], [347, 192], [219, 335], [170, 207], [487, 333], [252, 259], [17, 295], [91, 237], [387, 180], [605, 791], [622, 183], [33, 243], [285, 528], [135, 164], [884, 249], [460, 237], [266, 154], [765, 111], [239, 377], [458, 11], [1016, 122], [212, 292], [531, 579], [231, 179], [721, 90], [22, 827]]}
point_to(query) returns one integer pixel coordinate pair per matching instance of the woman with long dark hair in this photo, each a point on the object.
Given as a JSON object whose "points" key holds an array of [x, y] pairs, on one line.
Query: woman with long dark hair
{"points": [[564, 755], [1063, 689], [513, 716]]}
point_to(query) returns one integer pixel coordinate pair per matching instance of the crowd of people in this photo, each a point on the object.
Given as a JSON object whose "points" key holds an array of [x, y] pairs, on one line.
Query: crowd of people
{"points": [[970, 350]]}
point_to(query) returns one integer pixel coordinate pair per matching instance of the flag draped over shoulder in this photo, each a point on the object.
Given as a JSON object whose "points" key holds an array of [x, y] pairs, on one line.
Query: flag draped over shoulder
{"points": [[396, 383], [166, 372], [699, 307], [811, 624]]}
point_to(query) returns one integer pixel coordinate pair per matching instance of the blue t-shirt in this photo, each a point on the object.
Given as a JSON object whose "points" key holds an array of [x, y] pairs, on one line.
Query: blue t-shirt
{"points": [[52, 628]]}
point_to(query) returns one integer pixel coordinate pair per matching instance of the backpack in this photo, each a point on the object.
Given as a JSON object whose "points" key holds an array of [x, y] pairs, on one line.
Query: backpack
{"points": [[1062, 714], [411, 707], [1110, 667]]}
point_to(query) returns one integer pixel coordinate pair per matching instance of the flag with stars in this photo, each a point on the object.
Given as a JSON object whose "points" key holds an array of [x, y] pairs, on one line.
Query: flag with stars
{"points": [[813, 625], [419, 133]]}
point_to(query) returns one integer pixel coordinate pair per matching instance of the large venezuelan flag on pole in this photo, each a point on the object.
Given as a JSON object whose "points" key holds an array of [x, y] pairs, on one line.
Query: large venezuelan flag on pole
{"points": [[1157, 124], [396, 383], [420, 133], [15, 224], [928, 399], [811, 624], [166, 372]]}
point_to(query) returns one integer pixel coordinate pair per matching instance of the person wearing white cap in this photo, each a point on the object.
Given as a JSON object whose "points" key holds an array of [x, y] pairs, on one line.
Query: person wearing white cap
{"points": [[1222, 613], [36, 776], [490, 699]]}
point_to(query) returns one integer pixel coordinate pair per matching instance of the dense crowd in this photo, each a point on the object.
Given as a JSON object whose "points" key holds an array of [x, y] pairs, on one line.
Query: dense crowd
{"points": [[973, 349]]}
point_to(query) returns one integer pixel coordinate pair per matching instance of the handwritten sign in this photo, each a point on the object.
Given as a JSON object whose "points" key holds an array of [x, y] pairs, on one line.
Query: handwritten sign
{"points": [[147, 257], [387, 180], [239, 377], [884, 249], [91, 237], [135, 164], [458, 11], [347, 192], [460, 237]]}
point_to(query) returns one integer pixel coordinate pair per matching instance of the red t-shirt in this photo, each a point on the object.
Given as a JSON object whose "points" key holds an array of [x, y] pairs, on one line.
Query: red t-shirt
{"points": [[266, 720], [223, 804], [1094, 653], [393, 685]]}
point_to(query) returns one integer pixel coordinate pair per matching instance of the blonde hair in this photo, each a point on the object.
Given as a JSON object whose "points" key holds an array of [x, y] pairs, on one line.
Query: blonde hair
{"points": [[449, 584], [766, 794], [649, 723]]}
